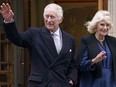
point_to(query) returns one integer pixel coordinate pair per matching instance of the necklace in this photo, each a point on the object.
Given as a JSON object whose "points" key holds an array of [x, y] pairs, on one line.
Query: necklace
{"points": [[101, 41]]}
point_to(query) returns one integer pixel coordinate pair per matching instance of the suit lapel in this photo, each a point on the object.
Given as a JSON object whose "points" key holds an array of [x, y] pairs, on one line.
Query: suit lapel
{"points": [[94, 45], [65, 46], [49, 41], [51, 46], [64, 43]]}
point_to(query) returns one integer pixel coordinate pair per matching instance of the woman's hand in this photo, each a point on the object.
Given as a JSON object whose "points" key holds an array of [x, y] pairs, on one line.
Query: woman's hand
{"points": [[99, 57], [6, 12]]}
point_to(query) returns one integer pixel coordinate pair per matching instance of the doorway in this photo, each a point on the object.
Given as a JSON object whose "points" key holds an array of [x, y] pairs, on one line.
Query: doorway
{"points": [[76, 14]]}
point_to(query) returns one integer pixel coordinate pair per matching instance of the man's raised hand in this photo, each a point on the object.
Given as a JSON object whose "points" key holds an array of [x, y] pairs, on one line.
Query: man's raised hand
{"points": [[6, 12]]}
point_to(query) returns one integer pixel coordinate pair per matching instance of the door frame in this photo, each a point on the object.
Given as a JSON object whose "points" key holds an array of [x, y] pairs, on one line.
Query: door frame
{"points": [[102, 4]]}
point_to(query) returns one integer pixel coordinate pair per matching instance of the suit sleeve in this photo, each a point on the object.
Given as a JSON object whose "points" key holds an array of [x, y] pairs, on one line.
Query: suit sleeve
{"points": [[12, 34]]}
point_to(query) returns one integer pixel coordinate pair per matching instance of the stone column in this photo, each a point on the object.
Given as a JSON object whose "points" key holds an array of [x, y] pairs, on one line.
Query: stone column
{"points": [[112, 9]]}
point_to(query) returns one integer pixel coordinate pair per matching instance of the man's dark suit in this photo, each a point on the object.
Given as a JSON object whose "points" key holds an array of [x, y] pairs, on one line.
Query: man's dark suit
{"points": [[48, 69]]}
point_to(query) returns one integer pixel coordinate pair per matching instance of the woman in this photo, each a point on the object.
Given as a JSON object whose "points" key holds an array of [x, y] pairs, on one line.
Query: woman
{"points": [[96, 55]]}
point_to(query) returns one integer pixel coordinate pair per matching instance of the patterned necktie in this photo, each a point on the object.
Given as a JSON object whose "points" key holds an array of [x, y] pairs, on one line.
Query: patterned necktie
{"points": [[57, 42]]}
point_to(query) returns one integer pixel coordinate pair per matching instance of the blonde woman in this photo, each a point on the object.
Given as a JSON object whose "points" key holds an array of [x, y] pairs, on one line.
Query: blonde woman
{"points": [[96, 55]]}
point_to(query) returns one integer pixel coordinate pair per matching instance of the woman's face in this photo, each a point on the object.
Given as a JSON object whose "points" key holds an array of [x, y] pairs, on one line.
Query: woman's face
{"points": [[102, 28]]}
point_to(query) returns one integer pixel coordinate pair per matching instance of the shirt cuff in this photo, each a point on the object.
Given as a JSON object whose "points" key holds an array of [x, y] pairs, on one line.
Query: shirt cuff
{"points": [[5, 21]]}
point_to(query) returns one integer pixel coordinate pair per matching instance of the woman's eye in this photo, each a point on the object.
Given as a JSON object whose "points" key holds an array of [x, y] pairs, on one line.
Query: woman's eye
{"points": [[102, 24]]}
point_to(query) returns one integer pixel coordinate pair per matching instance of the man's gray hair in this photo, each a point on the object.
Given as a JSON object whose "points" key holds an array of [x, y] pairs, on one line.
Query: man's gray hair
{"points": [[56, 7]]}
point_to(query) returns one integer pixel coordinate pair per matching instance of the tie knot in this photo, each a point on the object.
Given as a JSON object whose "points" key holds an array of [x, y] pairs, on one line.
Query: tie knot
{"points": [[54, 34]]}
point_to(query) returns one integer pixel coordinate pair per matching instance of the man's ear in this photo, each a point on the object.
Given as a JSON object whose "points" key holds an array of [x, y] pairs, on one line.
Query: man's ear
{"points": [[61, 19]]}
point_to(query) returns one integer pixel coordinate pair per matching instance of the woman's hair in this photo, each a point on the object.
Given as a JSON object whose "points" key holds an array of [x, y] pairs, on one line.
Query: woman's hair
{"points": [[56, 8], [99, 16]]}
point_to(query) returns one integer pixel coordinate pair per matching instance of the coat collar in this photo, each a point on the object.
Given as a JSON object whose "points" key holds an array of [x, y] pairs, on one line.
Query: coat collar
{"points": [[47, 37]]}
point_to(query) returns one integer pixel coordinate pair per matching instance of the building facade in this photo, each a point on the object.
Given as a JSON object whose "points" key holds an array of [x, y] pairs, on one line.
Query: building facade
{"points": [[14, 61]]}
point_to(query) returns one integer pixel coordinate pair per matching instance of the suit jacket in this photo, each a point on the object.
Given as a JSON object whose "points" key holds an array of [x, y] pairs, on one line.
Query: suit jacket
{"points": [[89, 43], [48, 69]]}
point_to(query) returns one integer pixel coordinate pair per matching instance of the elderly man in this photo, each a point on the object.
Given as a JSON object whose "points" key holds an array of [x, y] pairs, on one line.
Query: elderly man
{"points": [[51, 49]]}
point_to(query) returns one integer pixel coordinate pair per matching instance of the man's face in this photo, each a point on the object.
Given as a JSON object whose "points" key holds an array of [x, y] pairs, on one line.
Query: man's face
{"points": [[52, 20]]}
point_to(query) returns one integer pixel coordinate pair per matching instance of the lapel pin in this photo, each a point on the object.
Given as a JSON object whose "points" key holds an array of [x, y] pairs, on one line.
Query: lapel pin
{"points": [[70, 50]]}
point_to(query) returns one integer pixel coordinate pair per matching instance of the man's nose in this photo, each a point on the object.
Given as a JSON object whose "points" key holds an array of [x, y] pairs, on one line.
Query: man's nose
{"points": [[49, 19]]}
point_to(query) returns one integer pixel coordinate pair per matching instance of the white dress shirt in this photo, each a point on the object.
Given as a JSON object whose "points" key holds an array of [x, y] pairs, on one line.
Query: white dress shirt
{"points": [[57, 36]]}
